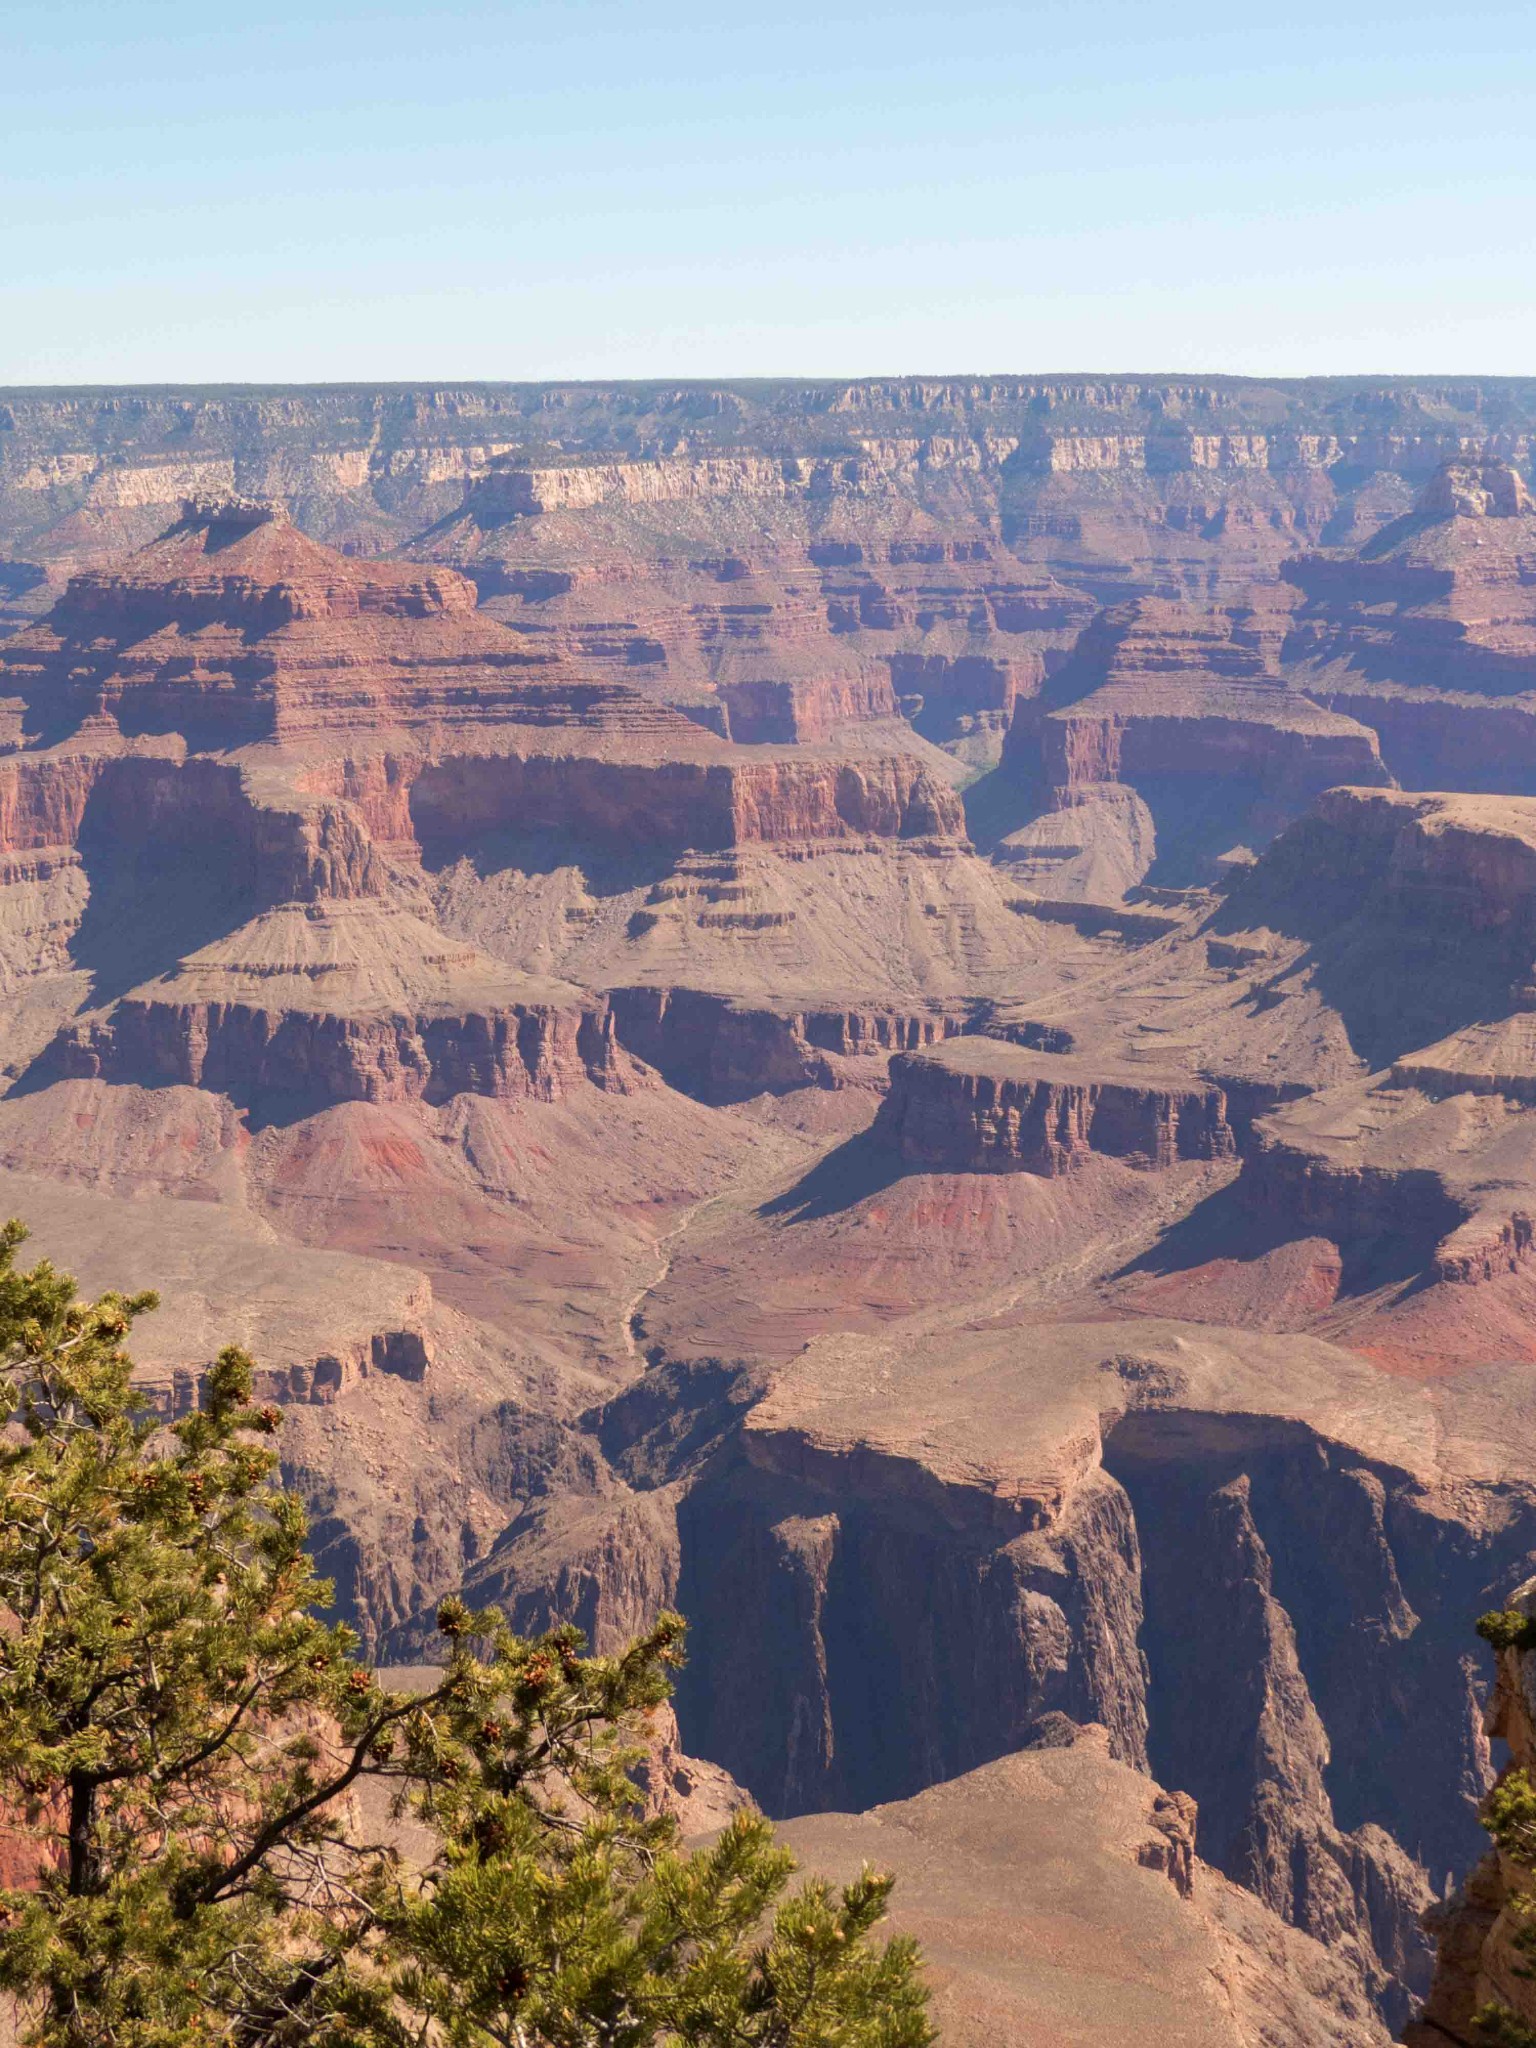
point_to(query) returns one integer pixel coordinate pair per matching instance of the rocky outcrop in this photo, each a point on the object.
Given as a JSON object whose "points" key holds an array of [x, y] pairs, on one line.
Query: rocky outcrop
{"points": [[1444, 862], [311, 1056], [1045, 1614], [110, 828], [1288, 748], [1109, 1547], [1352, 1201], [961, 686], [1481, 1932], [1060, 1851], [1438, 601], [985, 1106], [1187, 706], [726, 1050], [1257, 1766], [762, 710], [313, 1382], [699, 1795], [234, 627], [679, 803], [1483, 488]]}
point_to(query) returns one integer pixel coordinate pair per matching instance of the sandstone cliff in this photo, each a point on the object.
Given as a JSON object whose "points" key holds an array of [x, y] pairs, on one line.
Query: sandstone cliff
{"points": [[1101, 1522], [983, 1105], [1427, 632]]}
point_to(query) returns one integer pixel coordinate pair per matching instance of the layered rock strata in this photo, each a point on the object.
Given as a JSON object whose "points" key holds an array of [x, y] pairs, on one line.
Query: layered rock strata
{"points": [[984, 1105], [1156, 689], [1450, 862], [1187, 708], [234, 627], [336, 861], [1222, 464], [1439, 597], [725, 1050], [679, 803], [1102, 1521], [1428, 634], [347, 1003]]}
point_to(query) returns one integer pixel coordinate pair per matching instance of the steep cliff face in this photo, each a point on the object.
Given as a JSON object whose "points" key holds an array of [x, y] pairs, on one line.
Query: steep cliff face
{"points": [[1258, 1763], [1437, 739], [885, 1517], [1417, 914], [140, 820], [763, 710], [1448, 862], [983, 1105], [1428, 635], [1438, 598], [1353, 1201], [946, 694], [1186, 706], [313, 1057], [511, 493], [725, 1050], [838, 1703], [680, 803], [880, 1392], [317, 1382], [1481, 1959]]}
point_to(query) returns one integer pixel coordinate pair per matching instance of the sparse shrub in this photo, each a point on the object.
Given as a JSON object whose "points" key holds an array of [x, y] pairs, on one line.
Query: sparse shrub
{"points": [[1507, 1629]]}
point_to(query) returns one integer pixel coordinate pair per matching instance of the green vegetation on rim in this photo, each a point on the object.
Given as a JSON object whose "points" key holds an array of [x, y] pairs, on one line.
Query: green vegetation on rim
{"points": [[180, 1737]]}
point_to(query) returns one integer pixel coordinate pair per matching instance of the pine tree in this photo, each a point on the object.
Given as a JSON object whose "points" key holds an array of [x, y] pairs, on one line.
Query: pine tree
{"points": [[180, 1734]]}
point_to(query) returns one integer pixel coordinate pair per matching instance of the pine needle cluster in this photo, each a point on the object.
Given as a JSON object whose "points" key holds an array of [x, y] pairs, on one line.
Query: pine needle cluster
{"points": [[183, 1737]]}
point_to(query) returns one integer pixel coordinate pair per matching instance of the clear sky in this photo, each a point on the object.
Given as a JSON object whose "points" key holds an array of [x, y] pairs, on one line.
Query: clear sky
{"points": [[259, 190]]}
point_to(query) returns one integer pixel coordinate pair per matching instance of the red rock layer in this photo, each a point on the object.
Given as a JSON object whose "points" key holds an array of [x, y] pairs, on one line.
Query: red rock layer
{"points": [[1352, 1204], [1440, 598], [789, 712], [980, 1106], [233, 627], [311, 1056], [1457, 862], [284, 850], [968, 685], [1157, 690], [707, 805], [833, 570], [726, 1050]]}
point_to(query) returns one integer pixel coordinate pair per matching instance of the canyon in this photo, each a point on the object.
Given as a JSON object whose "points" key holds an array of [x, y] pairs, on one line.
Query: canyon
{"points": [[895, 1013]]}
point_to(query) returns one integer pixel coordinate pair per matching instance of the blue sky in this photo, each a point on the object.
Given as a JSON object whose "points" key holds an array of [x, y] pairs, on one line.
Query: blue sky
{"points": [[325, 192]]}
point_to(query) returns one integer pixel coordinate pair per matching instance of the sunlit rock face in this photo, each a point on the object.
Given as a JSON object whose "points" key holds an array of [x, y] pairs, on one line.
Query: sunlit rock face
{"points": [[899, 1013]]}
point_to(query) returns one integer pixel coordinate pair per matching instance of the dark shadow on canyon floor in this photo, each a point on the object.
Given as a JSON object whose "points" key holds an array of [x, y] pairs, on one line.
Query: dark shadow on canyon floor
{"points": [[1227, 1226], [146, 913], [857, 1169], [606, 870]]}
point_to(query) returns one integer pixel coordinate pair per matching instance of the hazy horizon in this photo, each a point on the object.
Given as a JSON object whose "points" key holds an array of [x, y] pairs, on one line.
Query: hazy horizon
{"points": [[447, 380]]}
